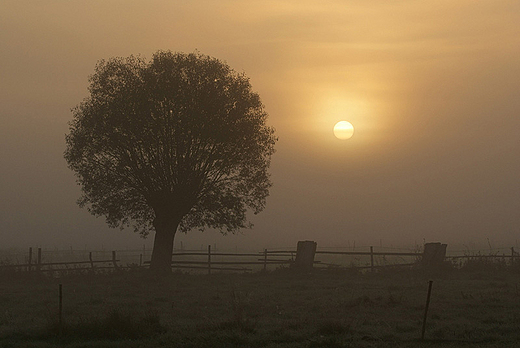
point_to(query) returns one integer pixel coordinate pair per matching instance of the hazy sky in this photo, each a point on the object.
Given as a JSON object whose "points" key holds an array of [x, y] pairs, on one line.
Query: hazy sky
{"points": [[431, 87]]}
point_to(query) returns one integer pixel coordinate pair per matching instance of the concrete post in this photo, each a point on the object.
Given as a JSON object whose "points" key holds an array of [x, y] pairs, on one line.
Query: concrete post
{"points": [[305, 254], [433, 255]]}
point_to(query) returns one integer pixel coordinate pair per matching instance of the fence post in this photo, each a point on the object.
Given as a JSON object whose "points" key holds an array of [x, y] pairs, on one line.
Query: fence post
{"points": [[433, 255], [265, 260], [38, 267], [90, 259], [305, 251], [371, 259], [426, 308], [140, 260], [60, 311], [209, 259], [30, 259], [114, 262]]}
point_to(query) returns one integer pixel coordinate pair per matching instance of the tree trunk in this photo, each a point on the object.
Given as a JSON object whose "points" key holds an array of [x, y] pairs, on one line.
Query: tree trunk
{"points": [[165, 228]]}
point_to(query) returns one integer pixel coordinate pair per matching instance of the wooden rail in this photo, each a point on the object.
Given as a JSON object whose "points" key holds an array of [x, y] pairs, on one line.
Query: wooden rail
{"points": [[263, 258], [59, 263], [39, 264], [268, 259], [370, 253], [483, 256], [211, 263]]}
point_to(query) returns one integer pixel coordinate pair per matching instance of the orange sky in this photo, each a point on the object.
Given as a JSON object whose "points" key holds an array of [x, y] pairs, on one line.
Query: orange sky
{"points": [[431, 88]]}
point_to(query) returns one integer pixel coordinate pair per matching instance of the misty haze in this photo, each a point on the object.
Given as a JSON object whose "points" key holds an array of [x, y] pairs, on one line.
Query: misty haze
{"points": [[278, 174]]}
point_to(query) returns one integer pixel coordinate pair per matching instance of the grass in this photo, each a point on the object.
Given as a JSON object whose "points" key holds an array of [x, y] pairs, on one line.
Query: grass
{"points": [[330, 308], [115, 324]]}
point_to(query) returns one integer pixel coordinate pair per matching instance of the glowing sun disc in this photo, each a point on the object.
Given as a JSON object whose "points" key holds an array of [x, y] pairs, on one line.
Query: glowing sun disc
{"points": [[343, 130]]}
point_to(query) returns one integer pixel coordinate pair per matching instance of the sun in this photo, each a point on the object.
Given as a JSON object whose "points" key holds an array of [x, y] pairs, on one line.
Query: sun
{"points": [[343, 130]]}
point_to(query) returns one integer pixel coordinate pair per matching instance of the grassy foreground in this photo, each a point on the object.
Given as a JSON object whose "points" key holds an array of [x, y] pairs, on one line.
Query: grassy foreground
{"points": [[330, 308]]}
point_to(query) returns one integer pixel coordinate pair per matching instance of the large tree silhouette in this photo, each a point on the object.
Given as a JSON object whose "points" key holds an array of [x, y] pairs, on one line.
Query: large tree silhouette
{"points": [[179, 142]]}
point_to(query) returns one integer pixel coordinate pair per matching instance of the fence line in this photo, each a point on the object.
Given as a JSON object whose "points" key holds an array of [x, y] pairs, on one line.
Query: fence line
{"points": [[39, 264], [263, 258], [210, 263]]}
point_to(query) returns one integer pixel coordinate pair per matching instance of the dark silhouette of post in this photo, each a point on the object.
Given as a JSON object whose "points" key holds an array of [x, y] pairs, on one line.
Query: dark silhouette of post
{"points": [[114, 260], [30, 259], [433, 255], [38, 267], [430, 283], [371, 259], [60, 311], [305, 252], [265, 260], [209, 258]]}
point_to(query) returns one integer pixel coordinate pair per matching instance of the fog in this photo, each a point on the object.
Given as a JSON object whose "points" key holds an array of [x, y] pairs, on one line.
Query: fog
{"points": [[431, 89]]}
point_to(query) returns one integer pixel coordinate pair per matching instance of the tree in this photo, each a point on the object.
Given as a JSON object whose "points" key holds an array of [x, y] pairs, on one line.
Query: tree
{"points": [[179, 142]]}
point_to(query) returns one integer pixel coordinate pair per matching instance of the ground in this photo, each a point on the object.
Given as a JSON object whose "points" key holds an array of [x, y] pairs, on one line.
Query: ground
{"points": [[282, 308]]}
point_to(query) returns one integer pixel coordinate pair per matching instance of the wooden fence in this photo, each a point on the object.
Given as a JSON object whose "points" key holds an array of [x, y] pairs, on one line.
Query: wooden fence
{"points": [[513, 257], [198, 260], [209, 260], [39, 266]]}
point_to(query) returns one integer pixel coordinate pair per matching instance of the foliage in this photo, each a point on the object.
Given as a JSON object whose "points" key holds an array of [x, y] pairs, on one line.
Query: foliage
{"points": [[181, 135]]}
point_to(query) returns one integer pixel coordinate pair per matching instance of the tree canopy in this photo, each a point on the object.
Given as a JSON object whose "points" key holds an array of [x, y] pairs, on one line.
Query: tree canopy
{"points": [[180, 140]]}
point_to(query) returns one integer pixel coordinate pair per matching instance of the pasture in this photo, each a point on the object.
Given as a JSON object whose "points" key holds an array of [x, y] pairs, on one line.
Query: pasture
{"points": [[475, 306]]}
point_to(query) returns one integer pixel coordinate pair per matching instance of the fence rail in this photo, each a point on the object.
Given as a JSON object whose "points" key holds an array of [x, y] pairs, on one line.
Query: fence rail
{"points": [[41, 266], [483, 256], [368, 253], [211, 262], [224, 261]]}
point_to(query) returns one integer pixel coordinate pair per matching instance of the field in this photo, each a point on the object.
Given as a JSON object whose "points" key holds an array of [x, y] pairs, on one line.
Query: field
{"points": [[470, 307]]}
